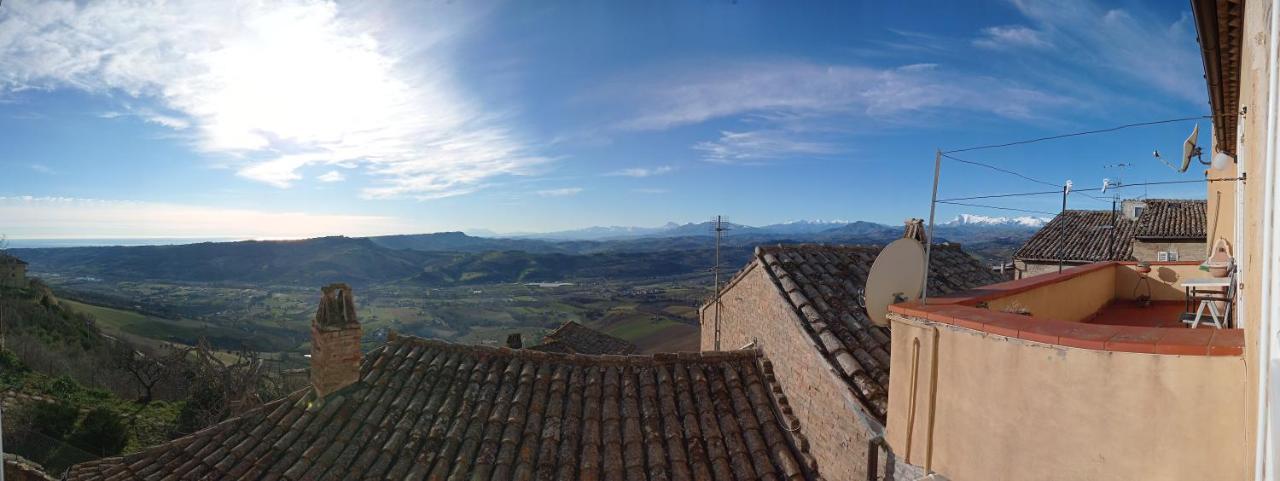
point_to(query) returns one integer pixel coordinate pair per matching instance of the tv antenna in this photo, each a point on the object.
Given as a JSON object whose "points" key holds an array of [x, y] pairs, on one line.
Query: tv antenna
{"points": [[718, 226], [1189, 150]]}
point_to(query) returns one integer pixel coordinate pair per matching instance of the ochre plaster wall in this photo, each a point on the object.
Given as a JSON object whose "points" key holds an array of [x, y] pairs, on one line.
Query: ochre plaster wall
{"points": [[1010, 409], [1074, 299]]}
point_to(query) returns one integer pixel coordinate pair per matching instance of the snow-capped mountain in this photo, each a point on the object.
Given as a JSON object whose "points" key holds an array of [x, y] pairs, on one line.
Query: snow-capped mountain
{"points": [[982, 220]]}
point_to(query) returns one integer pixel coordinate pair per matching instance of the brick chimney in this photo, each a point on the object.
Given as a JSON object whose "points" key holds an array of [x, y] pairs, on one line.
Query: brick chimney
{"points": [[915, 230], [335, 341]]}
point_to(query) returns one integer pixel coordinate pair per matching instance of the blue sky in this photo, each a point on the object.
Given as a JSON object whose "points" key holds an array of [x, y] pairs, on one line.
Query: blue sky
{"points": [[291, 119]]}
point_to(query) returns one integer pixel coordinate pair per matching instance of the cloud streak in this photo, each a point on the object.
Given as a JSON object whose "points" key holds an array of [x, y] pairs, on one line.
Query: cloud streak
{"points": [[1137, 45], [564, 192], [1011, 36], [643, 171], [803, 88], [280, 86], [740, 147]]}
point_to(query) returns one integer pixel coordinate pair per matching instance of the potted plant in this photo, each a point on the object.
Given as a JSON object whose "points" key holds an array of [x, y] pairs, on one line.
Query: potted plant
{"points": [[1144, 268]]}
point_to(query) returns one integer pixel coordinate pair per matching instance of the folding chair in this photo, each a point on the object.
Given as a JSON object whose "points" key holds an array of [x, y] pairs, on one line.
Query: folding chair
{"points": [[1209, 301]]}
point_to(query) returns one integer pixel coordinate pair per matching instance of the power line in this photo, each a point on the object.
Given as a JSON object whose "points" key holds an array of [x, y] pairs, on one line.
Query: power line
{"points": [[997, 196], [1000, 169], [1082, 191], [1077, 134], [998, 208]]}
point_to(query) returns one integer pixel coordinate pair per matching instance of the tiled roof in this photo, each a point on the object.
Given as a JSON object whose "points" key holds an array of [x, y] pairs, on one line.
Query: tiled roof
{"points": [[823, 285], [1172, 219], [1220, 32], [1081, 236], [433, 410], [574, 338], [8, 259]]}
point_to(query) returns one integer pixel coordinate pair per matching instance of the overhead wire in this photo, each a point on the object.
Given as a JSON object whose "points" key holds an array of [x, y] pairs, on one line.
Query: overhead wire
{"points": [[1077, 134], [1094, 189], [997, 207], [954, 201], [1000, 169]]}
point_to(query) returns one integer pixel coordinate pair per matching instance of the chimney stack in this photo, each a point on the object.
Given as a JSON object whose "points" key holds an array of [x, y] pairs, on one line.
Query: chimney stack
{"points": [[514, 341], [915, 230], [335, 341]]}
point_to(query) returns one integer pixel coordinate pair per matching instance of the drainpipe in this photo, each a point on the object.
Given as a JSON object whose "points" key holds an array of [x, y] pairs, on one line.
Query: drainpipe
{"points": [[1264, 460]]}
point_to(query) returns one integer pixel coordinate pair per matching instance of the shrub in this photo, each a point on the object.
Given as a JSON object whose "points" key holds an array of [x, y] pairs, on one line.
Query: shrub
{"points": [[54, 420], [102, 432]]}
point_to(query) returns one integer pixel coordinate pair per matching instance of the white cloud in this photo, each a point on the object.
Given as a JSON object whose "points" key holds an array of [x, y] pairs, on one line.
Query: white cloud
{"points": [[803, 88], [643, 171], [332, 176], [734, 147], [1011, 36], [277, 85], [565, 192], [65, 217], [1141, 46], [41, 168]]}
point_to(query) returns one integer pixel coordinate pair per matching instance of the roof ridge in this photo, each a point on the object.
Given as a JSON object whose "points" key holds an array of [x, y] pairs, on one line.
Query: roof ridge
{"points": [[620, 359]]}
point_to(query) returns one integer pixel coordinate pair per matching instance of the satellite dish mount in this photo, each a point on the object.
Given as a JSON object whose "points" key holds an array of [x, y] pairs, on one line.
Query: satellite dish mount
{"points": [[1189, 150]]}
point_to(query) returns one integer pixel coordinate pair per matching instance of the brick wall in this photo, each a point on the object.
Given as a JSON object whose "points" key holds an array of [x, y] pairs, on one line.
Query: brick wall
{"points": [[836, 426], [335, 358]]}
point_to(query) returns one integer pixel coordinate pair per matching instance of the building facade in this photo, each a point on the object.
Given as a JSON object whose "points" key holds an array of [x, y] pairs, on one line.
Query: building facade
{"points": [[13, 272], [799, 305]]}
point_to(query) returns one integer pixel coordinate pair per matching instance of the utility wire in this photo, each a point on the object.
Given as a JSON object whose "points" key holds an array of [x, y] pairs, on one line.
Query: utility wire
{"points": [[997, 207], [1000, 169], [997, 196], [1082, 191], [1077, 134]]}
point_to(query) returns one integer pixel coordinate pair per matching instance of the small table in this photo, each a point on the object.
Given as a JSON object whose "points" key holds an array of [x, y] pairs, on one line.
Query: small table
{"points": [[1189, 287]]}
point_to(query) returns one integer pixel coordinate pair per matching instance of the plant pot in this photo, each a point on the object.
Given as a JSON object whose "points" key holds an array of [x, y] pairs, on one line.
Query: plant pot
{"points": [[1144, 269]]}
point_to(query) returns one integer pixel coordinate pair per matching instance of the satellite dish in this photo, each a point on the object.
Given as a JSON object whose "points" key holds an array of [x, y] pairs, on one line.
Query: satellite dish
{"points": [[897, 275], [1189, 149]]}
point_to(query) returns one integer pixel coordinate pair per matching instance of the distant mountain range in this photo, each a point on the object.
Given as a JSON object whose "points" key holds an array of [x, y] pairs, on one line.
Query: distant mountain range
{"points": [[797, 227], [446, 258]]}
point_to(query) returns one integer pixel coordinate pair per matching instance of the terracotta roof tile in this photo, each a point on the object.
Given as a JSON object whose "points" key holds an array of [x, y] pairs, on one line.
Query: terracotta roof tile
{"points": [[1081, 236], [432, 410], [1172, 219], [822, 284], [571, 338]]}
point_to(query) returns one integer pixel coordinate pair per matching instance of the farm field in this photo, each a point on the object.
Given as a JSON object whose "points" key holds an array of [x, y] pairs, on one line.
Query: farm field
{"points": [[656, 316]]}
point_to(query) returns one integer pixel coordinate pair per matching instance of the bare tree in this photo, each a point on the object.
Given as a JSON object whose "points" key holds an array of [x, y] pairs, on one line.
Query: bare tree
{"points": [[148, 371], [243, 381]]}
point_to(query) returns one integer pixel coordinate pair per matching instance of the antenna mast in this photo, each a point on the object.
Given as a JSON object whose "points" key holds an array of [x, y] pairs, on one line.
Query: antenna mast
{"points": [[719, 228]]}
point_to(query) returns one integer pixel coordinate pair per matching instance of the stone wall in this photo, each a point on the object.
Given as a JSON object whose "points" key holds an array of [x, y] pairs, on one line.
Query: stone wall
{"points": [[841, 436], [1187, 251], [16, 468], [13, 275]]}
